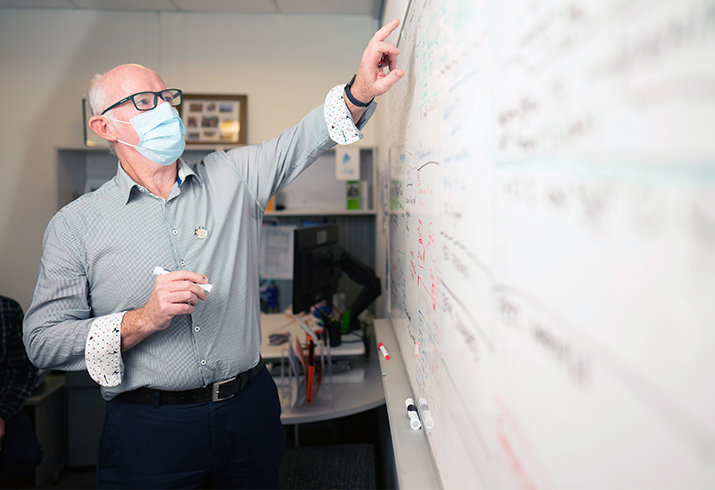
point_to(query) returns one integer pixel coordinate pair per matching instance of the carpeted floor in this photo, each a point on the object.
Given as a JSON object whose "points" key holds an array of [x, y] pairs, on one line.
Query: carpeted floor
{"points": [[333, 466], [311, 467]]}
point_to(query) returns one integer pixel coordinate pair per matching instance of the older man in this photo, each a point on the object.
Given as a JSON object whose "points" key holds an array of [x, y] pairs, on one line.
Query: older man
{"points": [[189, 401]]}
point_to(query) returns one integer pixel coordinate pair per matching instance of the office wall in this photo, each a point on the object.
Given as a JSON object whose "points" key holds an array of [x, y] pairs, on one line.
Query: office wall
{"points": [[284, 63]]}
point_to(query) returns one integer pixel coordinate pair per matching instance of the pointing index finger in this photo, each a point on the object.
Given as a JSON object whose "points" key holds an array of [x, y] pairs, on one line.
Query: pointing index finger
{"points": [[386, 30]]}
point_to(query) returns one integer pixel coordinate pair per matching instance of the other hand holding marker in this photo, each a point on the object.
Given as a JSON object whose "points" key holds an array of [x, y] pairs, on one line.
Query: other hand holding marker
{"points": [[159, 271], [383, 350]]}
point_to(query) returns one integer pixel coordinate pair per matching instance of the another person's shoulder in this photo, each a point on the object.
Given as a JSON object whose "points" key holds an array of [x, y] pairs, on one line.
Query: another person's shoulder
{"points": [[9, 306]]}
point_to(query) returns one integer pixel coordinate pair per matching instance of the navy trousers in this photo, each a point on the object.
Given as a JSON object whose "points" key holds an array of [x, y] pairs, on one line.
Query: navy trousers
{"points": [[235, 443]]}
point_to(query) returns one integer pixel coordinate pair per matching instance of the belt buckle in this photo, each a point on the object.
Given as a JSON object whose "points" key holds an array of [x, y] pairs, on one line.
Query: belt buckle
{"points": [[217, 386]]}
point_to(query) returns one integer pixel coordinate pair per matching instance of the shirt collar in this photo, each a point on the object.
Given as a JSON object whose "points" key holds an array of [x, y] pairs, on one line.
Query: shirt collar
{"points": [[185, 171], [126, 184]]}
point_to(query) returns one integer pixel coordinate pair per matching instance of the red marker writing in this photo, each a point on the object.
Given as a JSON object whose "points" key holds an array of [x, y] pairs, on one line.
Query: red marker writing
{"points": [[383, 350]]}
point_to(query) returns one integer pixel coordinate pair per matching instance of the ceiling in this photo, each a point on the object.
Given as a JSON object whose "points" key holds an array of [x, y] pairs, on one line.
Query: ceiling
{"points": [[313, 7]]}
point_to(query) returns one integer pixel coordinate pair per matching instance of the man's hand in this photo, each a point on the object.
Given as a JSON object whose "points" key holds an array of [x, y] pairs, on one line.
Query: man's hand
{"points": [[175, 293], [371, 80]]}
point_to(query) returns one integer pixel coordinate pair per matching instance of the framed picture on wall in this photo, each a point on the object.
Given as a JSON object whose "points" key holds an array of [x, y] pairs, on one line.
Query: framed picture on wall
{"points": [[214, 119], [90, 137]]}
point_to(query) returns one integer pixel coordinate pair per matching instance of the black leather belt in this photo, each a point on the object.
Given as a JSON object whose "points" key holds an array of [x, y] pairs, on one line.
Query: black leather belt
{"points": [[216, 392]]}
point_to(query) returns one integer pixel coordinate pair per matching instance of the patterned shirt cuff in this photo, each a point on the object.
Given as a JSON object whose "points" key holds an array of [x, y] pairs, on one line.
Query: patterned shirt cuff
{"points": [[341, 127], [103, 350]]}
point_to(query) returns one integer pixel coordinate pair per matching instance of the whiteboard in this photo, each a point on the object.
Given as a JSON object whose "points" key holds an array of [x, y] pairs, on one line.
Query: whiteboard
{"points": [[551, 248]]}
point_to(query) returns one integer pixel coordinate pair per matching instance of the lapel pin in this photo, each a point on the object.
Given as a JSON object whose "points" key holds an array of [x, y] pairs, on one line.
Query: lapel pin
{"points": [[201, 232]]}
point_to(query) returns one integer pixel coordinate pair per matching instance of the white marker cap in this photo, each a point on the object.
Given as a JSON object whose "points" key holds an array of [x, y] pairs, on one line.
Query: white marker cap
{"points": [[426, 415]]}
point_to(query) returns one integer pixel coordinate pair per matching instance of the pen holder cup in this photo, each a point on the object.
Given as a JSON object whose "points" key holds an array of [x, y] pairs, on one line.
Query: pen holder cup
{"points": [[332, 327]]}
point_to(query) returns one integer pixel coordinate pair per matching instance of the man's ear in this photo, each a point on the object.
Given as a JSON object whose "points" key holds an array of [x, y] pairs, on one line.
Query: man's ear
{"points": [[99, 125]]}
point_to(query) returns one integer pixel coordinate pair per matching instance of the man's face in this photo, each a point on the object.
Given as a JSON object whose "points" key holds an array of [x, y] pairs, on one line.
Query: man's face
{"points": [[128, 81]]}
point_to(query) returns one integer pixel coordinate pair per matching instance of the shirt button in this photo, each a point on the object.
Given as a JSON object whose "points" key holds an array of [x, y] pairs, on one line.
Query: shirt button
{"points": [[168, 204], [197, 328], [175, 232], [182, 263], [203, 362]]}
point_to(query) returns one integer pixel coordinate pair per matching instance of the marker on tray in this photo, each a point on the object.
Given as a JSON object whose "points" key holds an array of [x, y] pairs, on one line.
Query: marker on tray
{"points": [[383, 350], [412, 414], [159, 271], [426, 415]]}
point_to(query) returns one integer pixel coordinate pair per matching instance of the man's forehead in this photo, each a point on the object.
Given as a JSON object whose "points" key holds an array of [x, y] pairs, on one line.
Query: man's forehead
{"points": [[130, 79]]}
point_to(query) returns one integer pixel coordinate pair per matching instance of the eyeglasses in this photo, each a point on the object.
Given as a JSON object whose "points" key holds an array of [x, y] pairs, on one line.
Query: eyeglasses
{"points": [[146, 101]]}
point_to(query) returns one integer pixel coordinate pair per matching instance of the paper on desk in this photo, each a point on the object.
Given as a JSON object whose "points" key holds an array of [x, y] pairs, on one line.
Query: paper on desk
{"points": [[297, 389], [300, 354], [276, 260], [319, 372], [304, 325]]}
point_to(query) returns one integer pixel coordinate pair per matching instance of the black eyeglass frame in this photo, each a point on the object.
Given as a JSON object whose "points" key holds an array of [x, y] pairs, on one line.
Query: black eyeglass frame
{"points": [[156, 96]]}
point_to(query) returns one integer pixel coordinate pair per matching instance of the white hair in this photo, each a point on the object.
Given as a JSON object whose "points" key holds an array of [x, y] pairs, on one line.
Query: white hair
{"points": [[96, 96], [97, 100]]}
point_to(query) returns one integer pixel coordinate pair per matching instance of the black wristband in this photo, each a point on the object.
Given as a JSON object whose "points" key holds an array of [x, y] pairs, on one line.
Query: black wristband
{"points": [[350, 95]]}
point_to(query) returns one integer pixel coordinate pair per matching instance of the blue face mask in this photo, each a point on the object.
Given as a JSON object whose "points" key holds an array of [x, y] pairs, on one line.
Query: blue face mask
{"points": [[161, 134]]}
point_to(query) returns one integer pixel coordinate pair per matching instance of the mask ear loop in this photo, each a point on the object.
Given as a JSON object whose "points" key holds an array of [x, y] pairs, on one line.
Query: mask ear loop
{"points": [[123, 122], [125, 143], [116, 120]]}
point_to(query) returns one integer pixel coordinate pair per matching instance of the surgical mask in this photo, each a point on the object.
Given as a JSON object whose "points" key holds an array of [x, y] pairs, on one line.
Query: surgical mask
{"points": [[161, 134]]}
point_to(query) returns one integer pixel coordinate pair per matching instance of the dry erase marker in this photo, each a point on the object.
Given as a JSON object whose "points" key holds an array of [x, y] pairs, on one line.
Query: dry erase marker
{"points": [[412, 414], [426, 415], [383, 350], [158, 271]]}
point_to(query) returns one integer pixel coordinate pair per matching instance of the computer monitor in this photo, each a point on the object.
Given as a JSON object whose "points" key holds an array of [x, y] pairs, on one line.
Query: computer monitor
{"points": [[316, 250], [318, 260]]}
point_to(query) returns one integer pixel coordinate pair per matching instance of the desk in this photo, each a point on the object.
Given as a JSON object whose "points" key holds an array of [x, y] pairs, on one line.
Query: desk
{"points": [[348, 398], [281, 323]]}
